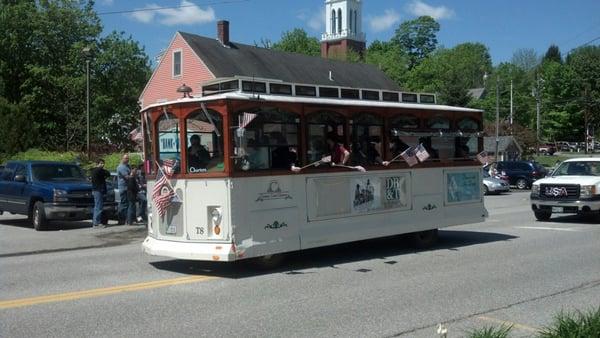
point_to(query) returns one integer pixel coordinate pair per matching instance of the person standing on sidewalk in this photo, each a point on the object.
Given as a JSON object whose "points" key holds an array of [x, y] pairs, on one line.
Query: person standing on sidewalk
{"points": [[99, 176], [132, 192], [123, 171]]}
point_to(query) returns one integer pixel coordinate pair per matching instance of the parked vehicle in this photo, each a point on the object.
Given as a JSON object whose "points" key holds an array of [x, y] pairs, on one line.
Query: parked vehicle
{"points": [[46, 191], [547, 149], [573, 188], [520, 173], [493, 185]]}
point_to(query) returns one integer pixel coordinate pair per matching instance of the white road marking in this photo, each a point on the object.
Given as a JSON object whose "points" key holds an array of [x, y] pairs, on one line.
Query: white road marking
{"points": [[549, 228]]}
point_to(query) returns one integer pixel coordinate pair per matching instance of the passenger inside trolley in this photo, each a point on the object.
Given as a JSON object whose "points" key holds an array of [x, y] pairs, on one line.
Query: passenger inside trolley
{"points": [[197, 155], [283, 156], [339, 154]]}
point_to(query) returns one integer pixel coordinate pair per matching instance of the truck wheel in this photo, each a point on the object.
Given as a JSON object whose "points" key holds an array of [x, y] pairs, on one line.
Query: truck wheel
{"points": [[521, 184], [425, 239], [542, 215], [104, 219], [486, 191], [38, 216]]}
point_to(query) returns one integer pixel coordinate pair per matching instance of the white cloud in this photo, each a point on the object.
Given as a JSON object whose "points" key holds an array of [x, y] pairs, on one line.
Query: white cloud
{"points": [[419, 8], [314, 20], [188, 13], [385, 21]]}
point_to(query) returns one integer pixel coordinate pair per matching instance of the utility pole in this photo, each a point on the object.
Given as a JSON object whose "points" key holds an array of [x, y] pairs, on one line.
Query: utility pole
{"points": [[87, 72], [537, 110], [497, 115], [511, 107]]}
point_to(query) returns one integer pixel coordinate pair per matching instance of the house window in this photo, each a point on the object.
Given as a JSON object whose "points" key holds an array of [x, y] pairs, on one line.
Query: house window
{"points": [[339, 19], [333, 21], [177, 63]]}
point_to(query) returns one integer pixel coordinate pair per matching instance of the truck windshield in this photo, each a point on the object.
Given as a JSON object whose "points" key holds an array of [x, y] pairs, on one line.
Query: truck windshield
{"points": [[57, 172], [578, 168]]}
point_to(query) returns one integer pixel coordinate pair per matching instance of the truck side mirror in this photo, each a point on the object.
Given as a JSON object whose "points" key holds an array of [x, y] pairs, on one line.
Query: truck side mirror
{"points": [[20, 178]]}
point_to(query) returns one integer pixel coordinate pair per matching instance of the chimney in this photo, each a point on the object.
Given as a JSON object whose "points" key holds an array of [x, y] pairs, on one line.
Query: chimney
{"points": [[223, 32]]}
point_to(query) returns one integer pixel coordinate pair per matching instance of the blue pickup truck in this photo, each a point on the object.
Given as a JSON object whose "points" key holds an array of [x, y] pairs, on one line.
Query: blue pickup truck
{"points": [[46, 191]]}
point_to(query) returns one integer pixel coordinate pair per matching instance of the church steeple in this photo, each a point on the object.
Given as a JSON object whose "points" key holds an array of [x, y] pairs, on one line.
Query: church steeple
{"points": [[343, 28]]}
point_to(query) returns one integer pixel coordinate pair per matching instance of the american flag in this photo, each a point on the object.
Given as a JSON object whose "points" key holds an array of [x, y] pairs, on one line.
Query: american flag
{"points": [[169, 167], [409, 156], [246, 119], [421, 153], [161, 194], [136, 135], [482, 157]]}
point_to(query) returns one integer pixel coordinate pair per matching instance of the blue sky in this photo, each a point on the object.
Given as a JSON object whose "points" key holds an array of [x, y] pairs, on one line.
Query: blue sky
{"points": [[504, 26]]}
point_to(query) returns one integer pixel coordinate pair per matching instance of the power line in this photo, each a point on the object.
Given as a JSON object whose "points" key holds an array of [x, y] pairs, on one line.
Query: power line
{"points": [[224, 2]]}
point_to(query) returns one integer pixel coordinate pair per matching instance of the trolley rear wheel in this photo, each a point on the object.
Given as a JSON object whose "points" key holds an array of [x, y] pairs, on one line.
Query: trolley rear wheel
{"points": [[425, 239]]}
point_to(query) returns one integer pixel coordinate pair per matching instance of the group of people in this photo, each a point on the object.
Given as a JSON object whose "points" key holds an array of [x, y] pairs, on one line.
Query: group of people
{"points": [[131, 186]]}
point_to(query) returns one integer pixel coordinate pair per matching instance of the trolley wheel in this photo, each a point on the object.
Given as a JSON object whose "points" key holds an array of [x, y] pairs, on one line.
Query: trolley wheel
{"points": [[268, 262], [521, 183], [425, 239], [38, 216], [542, 215]]}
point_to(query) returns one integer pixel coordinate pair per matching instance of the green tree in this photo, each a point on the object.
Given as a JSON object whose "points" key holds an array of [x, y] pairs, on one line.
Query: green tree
{"points": [[418, 38], [526, 59], [585, 64], [43, 70], [298, 41], [553, 54], [390, 58], [452, 72]]}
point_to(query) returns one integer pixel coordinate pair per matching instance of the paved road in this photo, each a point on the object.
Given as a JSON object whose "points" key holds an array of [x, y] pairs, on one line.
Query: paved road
{"points": [[509, 269]]}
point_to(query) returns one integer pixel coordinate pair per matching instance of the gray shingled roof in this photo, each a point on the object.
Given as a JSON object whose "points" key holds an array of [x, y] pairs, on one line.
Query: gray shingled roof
{"points": [[251, 61], [489, 143]]}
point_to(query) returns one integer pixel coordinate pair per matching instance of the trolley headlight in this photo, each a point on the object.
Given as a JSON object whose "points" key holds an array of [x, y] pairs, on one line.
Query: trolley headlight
{"points": [[535, 190], [587, 191], [216, 216]]}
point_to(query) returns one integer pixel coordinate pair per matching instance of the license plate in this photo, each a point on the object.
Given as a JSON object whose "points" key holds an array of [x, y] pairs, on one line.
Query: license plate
{"points": [[557, 209]]}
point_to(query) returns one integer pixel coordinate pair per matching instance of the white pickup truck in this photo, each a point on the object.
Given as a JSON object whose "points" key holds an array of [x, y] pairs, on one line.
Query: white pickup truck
{"points": [[572, 188]]}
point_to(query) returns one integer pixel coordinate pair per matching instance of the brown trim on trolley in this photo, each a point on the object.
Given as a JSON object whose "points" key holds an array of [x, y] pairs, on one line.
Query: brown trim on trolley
{"points": [[229, 107]]}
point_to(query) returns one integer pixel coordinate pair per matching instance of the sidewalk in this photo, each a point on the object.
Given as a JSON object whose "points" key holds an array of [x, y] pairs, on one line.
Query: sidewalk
{"points": [[18, 238]]}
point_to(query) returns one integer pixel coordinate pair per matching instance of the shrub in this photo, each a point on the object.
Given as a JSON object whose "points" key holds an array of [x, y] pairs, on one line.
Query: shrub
{"points": [[574, 325], [40, 155], [490, 332], [111, 161]]}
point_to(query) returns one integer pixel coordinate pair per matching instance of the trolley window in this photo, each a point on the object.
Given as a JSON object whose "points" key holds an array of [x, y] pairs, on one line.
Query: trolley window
{"points": [[323, 125], [168, 140], [204, 150], [367, 136]]}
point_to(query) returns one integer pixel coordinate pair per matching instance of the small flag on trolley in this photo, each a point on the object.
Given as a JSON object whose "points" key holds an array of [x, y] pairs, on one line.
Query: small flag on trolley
{"points": [[246, 119], [409, 156], [482, 157], [169, 167], [421, 153], [162, 194]]}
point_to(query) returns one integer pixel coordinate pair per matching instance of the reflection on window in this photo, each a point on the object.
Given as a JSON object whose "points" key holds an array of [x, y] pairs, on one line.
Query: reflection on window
{"points": [[438, 122], [468, 124], [321, 126], [168, 140], [367, 137], [204, 142], [405, 122], [465, 147], [268, 141]]}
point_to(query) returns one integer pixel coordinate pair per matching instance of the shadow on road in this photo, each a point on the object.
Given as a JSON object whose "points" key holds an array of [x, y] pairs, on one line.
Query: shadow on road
{"points": [[331, 256], [22, 222], [573, 219]]}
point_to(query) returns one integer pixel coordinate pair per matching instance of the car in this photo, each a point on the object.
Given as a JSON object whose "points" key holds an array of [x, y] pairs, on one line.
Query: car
{"points": [[547, 149], [520, 173], [573, 188], [492, 185], [48, 190]]}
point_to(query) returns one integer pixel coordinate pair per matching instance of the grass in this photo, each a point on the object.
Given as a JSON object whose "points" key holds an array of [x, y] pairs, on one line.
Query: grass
{"points": [[574, 325], [490, 332]]}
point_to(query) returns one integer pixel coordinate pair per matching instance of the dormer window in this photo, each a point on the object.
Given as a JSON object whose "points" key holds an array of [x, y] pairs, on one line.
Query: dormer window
{"points": [[176, 63]]}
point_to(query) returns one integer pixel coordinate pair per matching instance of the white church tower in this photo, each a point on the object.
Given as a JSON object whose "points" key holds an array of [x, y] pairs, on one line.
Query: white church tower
{"points": [[343, 22]]}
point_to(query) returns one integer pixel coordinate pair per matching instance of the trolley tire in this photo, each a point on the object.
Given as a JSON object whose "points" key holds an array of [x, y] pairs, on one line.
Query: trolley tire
{"points": [[425, 239], [38, 216], [542, 215], [521, 184], [268, 262]]}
